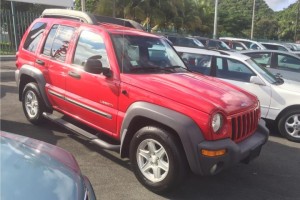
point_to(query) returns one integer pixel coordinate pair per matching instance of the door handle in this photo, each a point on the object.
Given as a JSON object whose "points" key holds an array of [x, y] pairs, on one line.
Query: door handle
{"points": [[74, 74], [40, 62]]}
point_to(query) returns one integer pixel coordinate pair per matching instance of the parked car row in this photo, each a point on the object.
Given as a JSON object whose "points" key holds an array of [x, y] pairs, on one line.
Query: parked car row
{"points": [[282, 61]]}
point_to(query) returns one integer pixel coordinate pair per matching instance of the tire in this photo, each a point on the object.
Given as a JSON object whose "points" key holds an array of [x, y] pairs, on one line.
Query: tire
{"points": [[289, 125], [162, 157], [33, 105]]}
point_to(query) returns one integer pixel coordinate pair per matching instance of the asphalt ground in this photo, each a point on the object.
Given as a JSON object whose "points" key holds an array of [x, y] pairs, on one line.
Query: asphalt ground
{"points": [[275, 175]]}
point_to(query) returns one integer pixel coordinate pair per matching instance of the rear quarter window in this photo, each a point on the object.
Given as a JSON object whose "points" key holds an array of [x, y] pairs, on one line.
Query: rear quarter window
{"points": [[34, 36]]}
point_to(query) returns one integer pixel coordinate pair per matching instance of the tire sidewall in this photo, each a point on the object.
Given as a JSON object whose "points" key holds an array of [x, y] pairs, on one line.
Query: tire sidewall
{"points": [[33, 88], [281, 125], [175, 161]]}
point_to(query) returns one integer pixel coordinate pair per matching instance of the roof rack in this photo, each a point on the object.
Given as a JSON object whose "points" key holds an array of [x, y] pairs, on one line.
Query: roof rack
{"points": [[69, 14], [89, 18]]}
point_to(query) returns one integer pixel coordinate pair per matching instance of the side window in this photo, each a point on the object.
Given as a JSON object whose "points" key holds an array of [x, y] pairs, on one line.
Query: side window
{"points": [[263, 59], [197, 62], [288, 62], [90, 45], [254, 46], [61, 42], [48, 44], [233, 70], [57, 42], [34, 36], [237, 46], [280, 48]]}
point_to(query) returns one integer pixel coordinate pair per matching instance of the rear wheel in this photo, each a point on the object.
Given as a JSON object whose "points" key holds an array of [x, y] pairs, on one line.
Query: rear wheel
{"points": [[157, 159], [289, 125], [33, 106]]}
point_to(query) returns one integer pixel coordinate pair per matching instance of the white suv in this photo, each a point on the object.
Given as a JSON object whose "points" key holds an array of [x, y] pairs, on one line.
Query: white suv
{"points": [[250, 44], [279, 98]]}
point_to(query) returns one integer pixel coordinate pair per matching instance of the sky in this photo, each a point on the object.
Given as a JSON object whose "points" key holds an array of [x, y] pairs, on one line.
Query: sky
{"points": [[278, 5]]}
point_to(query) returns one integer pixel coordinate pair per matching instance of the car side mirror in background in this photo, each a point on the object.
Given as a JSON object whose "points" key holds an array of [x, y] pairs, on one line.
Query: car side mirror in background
{"points": [[94, 66], [256, 80]]}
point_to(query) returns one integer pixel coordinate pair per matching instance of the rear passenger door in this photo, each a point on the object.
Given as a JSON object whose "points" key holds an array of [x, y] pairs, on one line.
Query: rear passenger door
{"points": [[52, 59], [93, 98], [238, 73]]}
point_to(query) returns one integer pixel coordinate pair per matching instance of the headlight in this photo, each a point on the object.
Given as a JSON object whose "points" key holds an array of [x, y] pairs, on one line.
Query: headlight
{"points": [[217, 122]]}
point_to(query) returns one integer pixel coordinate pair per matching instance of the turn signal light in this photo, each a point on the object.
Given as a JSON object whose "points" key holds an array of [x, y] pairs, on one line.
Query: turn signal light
{"points": [[211, 153]]}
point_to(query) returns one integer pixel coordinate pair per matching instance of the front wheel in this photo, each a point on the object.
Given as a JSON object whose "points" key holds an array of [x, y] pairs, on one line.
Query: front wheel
{"points": [[157, 159], [289, 125]]}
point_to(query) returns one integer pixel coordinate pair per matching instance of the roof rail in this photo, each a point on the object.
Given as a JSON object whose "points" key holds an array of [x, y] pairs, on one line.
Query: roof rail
{"points": [[69, 14], [222, 52]]}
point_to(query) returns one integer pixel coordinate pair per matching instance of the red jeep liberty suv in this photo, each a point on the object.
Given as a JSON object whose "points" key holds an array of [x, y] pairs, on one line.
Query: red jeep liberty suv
{"points": [[132, 86]]}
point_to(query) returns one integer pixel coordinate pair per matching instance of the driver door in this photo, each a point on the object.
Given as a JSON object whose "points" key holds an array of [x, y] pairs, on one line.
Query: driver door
{"points": [[93, 98]]}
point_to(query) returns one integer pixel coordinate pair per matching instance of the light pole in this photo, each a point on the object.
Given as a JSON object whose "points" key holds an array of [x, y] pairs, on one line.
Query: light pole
{"points": [[83, 5], [297, 20], [253, 16], [216, 19]]}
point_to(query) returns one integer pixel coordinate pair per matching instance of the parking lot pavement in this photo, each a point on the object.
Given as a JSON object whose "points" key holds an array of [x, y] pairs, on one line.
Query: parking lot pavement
{"points": [[275, 175]]}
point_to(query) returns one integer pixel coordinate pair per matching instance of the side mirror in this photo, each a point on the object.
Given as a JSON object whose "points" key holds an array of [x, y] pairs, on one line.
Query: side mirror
{"points": [[94, 66], [256, 80]]}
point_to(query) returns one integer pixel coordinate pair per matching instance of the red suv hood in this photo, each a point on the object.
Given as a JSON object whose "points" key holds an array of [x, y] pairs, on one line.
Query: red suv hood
{"points": [[200, 92]]}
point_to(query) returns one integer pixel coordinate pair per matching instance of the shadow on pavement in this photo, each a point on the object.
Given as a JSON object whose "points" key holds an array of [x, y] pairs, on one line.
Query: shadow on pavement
{"points": [[44, 132], [252, 181], [7, 89]]}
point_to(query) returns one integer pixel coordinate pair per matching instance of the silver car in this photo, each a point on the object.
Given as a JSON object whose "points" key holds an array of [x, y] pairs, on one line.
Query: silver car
{"points": [[277, 62]]}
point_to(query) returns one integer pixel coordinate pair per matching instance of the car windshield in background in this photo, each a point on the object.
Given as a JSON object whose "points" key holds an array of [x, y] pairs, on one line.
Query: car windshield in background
{"points": [[139, 54], [224, 46], [263, 72]]}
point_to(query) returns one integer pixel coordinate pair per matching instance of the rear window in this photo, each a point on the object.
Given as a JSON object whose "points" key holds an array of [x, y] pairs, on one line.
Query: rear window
{"points": [[34, 36]]}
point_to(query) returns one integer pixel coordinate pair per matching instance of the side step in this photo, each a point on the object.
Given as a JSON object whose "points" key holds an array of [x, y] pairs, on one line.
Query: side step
{"points": [[93, 138]]}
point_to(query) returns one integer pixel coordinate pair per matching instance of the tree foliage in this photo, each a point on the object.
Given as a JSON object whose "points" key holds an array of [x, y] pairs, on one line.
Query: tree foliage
{"points": [[194, 16]]}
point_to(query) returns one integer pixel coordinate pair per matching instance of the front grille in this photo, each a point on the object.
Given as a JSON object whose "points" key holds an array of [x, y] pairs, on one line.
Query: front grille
{"points": [[244, 124]]}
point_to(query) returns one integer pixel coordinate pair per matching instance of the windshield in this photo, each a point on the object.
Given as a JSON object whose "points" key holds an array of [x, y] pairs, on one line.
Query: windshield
{"points": [[263, 72], [198, 43], [223, 46], [140, 54]]}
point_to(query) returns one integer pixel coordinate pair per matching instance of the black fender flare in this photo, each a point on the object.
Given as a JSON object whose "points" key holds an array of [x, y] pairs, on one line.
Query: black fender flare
{"points": [[38, 76], [188, 131]]}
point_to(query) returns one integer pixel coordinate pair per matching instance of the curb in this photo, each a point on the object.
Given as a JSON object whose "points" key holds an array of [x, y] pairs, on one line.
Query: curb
{"points": [[7, 57]]}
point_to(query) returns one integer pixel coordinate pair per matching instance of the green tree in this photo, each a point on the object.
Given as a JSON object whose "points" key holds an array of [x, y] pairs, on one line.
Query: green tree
{"points": [[287, 22], [267, 28]]}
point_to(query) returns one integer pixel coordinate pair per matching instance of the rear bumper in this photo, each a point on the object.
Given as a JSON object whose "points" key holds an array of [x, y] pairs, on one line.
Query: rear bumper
{"points": [[244, 151]]}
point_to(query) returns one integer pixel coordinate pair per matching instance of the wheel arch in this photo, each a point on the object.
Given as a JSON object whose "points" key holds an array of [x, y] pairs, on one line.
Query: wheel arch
{"points": [[28, 74], [184, 129], [285, 110]]}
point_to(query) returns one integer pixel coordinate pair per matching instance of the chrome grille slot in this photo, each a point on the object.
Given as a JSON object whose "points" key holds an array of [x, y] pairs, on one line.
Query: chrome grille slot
{"points": [[244, 124]]}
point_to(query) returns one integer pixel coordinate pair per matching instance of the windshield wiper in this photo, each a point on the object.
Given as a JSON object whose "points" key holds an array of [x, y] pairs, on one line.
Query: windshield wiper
{"points": [[144, 69], [167, 69]]}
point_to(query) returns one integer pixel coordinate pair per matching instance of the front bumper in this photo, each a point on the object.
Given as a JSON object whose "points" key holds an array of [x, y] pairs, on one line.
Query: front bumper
{"points": [[243, 151]]}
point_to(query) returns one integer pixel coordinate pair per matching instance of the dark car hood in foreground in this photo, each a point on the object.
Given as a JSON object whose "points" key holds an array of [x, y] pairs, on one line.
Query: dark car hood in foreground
{"points": [[31, 169]]}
